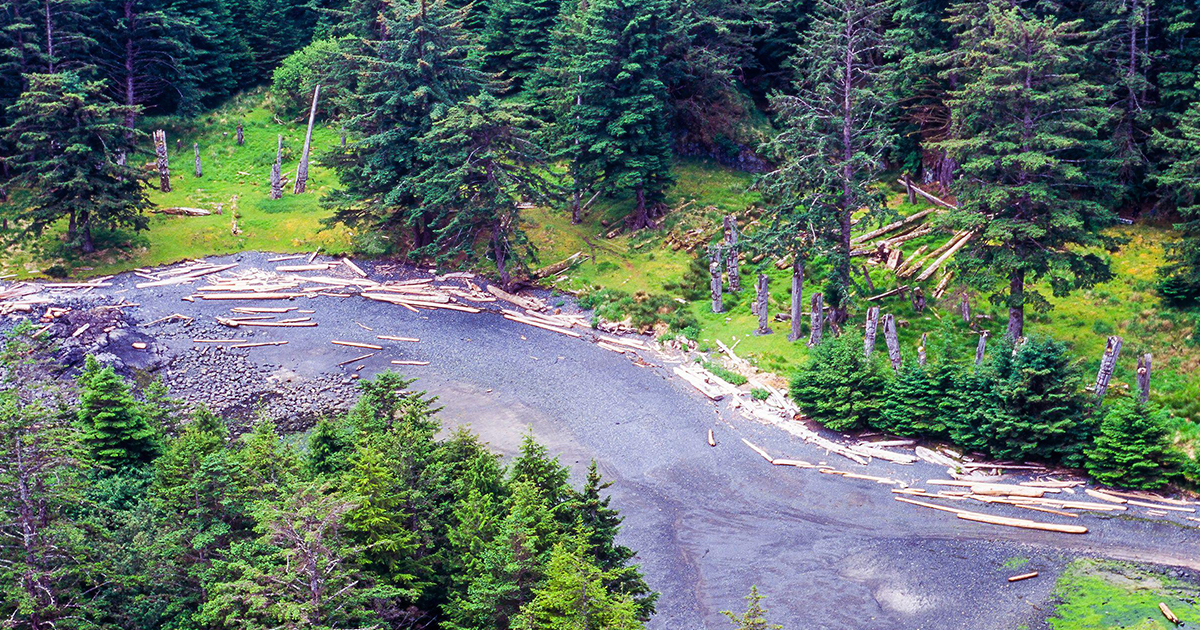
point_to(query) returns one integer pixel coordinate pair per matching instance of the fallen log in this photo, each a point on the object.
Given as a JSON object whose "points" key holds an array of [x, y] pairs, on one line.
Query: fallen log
{"points": [[888, 293], [1022, 523], [182, 211], [278, 324], [1149, 497], [401, 362], [610, 347], [1103, 496], [259, 344], [250, 310], [1023, 576], [251, 296], [537, 324], [82, 329], [797, 463], [186, 277], [759, 451], [317, 267], [515, 299], [356, 359], [1158, 506], [945, 256], [392, 338], [891, 227], [355, 344], [711, 440], [699, 383], [1162, 607], [931, 198], [283, 258], [557, 267], [353, 267], [218, 341]]}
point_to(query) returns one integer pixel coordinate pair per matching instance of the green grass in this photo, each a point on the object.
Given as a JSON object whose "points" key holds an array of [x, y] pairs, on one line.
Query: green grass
{"points": [[1096, 595]]}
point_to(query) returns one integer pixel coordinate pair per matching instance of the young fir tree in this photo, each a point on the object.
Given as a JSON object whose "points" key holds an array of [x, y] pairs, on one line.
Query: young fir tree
{"points": [[912, 402], [1133, 448], [755, 617], [378, 521], [1180, 182], [422, 63], [922, 40], [517, 37], [112, 422], [1176, 33], [484, 163], [574, 594], [830, 152], [620, 139], [328, 448], [68, 139], [837, 386], [1021, 119]]}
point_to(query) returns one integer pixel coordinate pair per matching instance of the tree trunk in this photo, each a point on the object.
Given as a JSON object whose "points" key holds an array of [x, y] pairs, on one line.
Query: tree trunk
{"points": [[1143, 377], [500, 253], [302, 167], [908, 187], [892, 340], [714, 278], [49, 40], [1108, 363], [641, 213], [797, 297], [921, 350], [161, 160], [276, 175], [731, 254], [576, 208], [342, 135], [196, 150], [1016, 305], [764, 309], [918, 300], [241, 136], [980, 348], [130, 91], [87, 245], [816, 321], [872, 328]]}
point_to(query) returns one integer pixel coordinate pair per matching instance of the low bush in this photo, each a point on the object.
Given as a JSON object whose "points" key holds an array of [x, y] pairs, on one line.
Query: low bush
{"points": [[837, 386]]}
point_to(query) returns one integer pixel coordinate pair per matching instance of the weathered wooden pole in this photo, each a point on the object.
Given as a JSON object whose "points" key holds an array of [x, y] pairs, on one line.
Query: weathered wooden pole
{"points": [[241, 138], [762, 295], [893, 341], [1108, 363], [867, 279], [196, 149], [797, 296], [161, 161], [731, 254], [908, 187], [816, 319], [980, 348], [342, 133], [964, 308], [872, 328], [276, 174], [302, 167], [921, 350], [1143, 377], [714, 274]]}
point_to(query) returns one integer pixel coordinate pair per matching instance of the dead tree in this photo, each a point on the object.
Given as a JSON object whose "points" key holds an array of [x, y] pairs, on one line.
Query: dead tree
{"points": [[797, 296], [980, 348], [196, 149], [161, 161], [276, 175], [241, 138], [893, 342], [921, 350], [816, 320], [764, 309], [731, 254], [872, 328], [714, 274], [1108, 363], [1143, 377], [302, 167]]}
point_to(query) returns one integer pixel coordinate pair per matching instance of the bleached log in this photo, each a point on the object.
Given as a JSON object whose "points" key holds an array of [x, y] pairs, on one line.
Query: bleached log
{"points": [[537, 324], [891, 227], [356, 344], [400, 362], [394, 338], [945, 256], [353, 267]]}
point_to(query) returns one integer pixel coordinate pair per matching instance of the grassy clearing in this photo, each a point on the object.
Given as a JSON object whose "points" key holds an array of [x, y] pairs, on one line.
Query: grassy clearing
{"points": [[1095, 595]]}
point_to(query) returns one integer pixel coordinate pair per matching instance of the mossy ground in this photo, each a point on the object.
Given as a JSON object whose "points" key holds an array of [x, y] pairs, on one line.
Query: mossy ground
{"points": [[1100, 595]]}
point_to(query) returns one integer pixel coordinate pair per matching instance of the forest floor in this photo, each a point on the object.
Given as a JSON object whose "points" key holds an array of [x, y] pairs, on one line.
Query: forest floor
{"points": [[828, 552], [637, 267]]}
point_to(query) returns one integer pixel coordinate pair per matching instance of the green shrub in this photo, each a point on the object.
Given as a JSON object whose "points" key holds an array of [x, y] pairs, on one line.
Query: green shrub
{"points": [[724, 374], [644, 310], [759, 393], [1133, 448], [293, 82], [837, 386], [913, 402]]}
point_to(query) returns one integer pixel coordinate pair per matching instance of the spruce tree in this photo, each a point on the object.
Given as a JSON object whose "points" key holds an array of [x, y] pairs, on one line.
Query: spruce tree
{"points": [[1180, 183], [68, 138], [141, 52], [574, 595], [328, 448], [912, 401], [837, 386], [755, 617], [517, 37], [833, 134], [1021, 119], [620, 137], [217, 62], [1133, 448], [113, 425], [379, 519]]}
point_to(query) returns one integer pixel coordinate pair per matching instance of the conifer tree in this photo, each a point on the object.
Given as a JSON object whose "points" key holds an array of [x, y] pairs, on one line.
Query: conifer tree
{"points": [[517, 37], [755, 617], [378, 520], [218, 62], [1133, 447], [535, 466], [114, 427], [67, 139], [837, 386], [912, 402], [620, 136], [1180, 183], [831, 148], [142, 48], [328, 448], [574, 595], [1021, 119]]}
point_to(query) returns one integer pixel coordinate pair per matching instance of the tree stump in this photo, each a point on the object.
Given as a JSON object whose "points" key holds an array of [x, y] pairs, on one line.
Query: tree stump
{"points": [[762, 295], [731, 254], [918, 299], [276, 174], [714, 274], [1108, 363], [161, 161], [872, 328], [302, 167], [893, 341], [241, 138], [1143, 377], [196, 150], [797, 297], [980, 348], [816, 320]]}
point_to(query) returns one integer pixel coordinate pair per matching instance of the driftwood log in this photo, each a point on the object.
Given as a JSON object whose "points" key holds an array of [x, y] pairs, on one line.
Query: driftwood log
{"points": [[762, 295], [816, 319], [1143, 377], [1108, 363], [302, 167], [714, 278], [893, 342], [161, 161], [797, 297], [872, 328]]}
